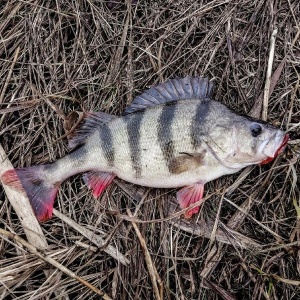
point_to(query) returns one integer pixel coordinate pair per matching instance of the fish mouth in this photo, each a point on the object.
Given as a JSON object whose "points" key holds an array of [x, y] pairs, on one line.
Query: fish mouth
{"points": [[278, 151]]}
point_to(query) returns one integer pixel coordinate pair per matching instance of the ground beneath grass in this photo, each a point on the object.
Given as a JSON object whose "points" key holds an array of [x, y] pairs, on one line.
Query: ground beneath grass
{"points": [[59, 58]]}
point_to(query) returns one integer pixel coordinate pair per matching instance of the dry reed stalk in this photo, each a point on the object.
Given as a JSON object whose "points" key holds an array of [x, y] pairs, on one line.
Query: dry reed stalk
{"points": [[53, 262], [21, 205]]}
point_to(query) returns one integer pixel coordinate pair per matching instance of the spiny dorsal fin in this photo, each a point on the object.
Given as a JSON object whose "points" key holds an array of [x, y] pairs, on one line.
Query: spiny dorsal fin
{"points": [[91, 121], [173, 90]]}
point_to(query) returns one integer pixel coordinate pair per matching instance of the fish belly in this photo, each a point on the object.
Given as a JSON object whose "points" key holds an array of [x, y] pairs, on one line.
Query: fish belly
{"points": [[203, 175]]}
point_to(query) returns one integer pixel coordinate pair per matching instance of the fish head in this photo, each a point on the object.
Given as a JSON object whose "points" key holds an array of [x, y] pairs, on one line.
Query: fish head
{"points": [[254, 142]]}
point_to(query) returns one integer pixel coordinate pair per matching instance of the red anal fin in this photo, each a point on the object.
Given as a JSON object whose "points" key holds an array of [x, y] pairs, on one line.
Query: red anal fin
{"points": [[190, 195], [98, 181]]}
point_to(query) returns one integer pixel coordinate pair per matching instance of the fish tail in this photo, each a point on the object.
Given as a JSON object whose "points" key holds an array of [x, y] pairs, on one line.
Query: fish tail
{"points": [[32, 182]]}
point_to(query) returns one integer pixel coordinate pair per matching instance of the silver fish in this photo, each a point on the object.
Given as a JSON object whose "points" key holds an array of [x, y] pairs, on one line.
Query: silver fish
{"points": [[172, 135]]}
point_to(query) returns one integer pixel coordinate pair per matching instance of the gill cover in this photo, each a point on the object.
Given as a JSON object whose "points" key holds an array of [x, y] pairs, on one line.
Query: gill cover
{"points": [[255, 141]]}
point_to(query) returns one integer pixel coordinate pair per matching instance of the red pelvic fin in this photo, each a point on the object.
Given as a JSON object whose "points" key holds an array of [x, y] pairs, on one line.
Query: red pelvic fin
{"points": [[98, 181], [188, 196], [40, 193]]}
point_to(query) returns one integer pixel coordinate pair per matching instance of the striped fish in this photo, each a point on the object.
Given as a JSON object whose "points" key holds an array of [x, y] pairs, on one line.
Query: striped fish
{"points": [[173, 135]]}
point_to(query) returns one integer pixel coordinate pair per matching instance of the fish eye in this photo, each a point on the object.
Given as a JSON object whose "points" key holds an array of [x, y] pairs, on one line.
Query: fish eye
{"points": [[255, 129]]}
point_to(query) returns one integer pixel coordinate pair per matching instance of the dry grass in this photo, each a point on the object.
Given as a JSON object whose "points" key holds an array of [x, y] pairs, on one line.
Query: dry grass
{"points": [[62, 56]]}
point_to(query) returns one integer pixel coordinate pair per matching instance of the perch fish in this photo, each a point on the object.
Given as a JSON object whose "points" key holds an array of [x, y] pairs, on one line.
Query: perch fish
{"points": [[171, 136]]}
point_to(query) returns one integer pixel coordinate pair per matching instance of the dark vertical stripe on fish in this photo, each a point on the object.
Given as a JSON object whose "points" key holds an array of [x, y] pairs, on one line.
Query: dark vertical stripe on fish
{"points": [[133, 129], [198, 123], [165, 137], [107, 144]]}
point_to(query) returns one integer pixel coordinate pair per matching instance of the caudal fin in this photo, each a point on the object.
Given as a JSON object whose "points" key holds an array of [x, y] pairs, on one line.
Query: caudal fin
{"points": [[31, 181]]}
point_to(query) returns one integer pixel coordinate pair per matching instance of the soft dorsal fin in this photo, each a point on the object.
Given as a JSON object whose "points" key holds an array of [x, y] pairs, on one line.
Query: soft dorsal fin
{"points": [[90, 123], [173, 90]]}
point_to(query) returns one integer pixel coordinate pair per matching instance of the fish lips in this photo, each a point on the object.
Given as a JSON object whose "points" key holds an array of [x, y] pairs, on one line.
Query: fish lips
{"points": [[272, 153]]}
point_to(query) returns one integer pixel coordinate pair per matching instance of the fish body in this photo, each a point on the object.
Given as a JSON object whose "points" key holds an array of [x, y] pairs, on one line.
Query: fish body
{"points": [[173, 135], [150, 150]]}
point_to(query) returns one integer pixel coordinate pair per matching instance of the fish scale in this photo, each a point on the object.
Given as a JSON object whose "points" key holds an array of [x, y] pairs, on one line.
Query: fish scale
{"points": [[172, 135], [154, 142], [107, 146]]}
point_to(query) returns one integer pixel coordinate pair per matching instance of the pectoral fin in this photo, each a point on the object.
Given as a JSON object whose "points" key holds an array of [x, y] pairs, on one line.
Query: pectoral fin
{"points": [[190, 195], [186, 162]]}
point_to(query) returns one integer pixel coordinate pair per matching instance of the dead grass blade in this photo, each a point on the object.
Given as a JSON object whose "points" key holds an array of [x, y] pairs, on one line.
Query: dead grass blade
{"points": [[9, 74], [155, 279], [53, 262], [223, 233], [220, 291], [268, 78], [94, 238]]}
